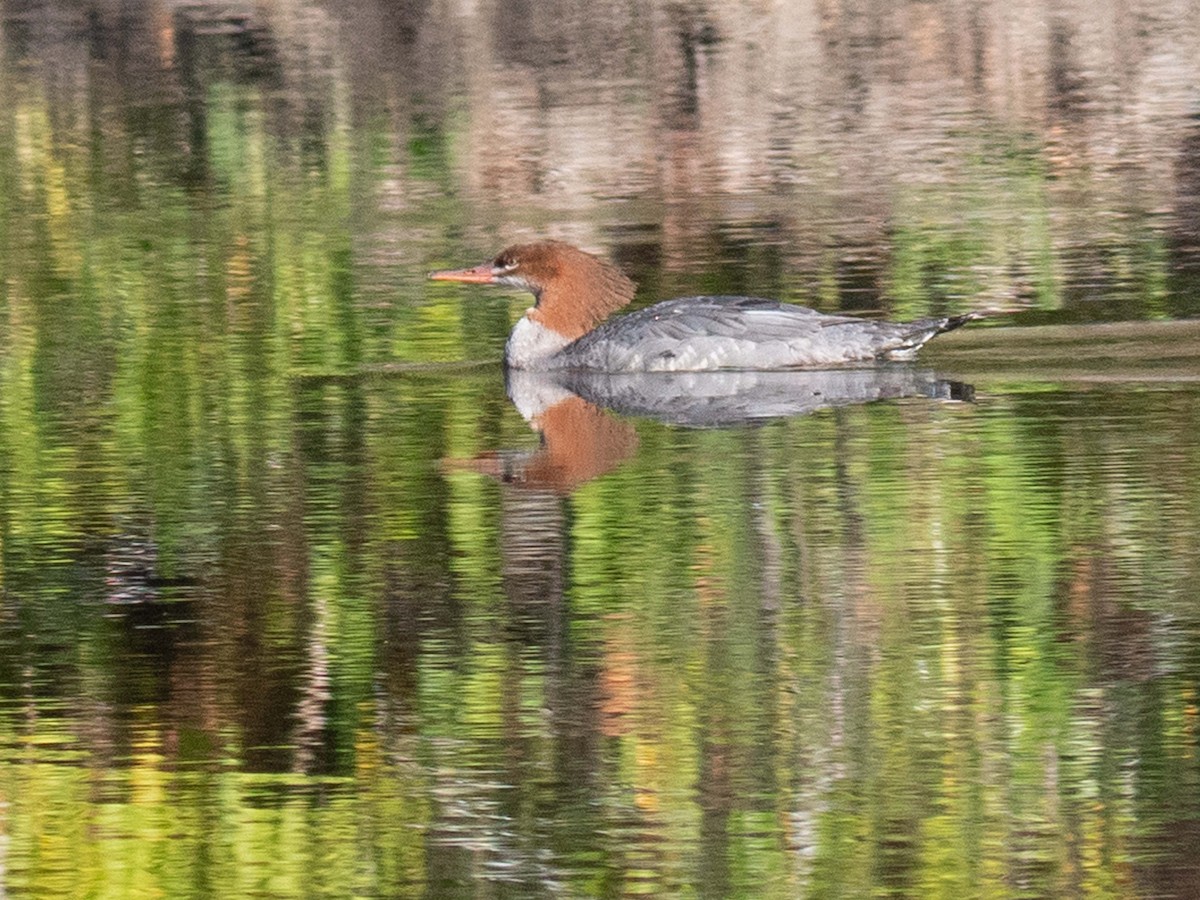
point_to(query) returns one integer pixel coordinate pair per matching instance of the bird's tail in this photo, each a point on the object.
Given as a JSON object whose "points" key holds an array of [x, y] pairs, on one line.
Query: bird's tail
{"points": [[914, 335]]}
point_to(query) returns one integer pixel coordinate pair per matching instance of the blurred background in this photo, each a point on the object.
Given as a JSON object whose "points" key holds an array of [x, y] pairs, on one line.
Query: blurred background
{"points": [[267, 626]]}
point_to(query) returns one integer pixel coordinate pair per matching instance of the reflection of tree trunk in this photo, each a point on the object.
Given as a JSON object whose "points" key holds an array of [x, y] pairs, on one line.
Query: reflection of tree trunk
{"points": [[738, 741], [312, 720], [195, 104], [532, 550], [853, 611], [715, 789], [420, 609], [688, 176], [314, 693], [764, 747], [533, 545], [1184, 238], [417, 602], [400, 631]]}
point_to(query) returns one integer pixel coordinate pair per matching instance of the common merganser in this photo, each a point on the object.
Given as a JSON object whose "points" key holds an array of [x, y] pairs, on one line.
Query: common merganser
{"points": [[576, 292]]}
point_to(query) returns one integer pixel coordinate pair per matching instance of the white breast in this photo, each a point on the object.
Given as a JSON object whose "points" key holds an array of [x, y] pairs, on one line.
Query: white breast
{"points": [[530, 344]]}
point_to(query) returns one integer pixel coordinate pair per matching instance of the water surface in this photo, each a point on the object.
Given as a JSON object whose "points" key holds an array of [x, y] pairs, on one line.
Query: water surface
{"points": [[295, 602]]}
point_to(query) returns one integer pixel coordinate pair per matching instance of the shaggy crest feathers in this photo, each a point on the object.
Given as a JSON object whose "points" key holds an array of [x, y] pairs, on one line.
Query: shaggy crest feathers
{"points": [[575, 290]]}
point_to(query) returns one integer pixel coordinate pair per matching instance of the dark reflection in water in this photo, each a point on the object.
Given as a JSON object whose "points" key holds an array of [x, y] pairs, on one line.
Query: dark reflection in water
{"points": [[289, 609], [889, 645], [916, 158]]}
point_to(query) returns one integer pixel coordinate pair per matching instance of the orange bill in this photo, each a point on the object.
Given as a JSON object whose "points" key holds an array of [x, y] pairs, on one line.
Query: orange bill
{"points": [[478, 275]]}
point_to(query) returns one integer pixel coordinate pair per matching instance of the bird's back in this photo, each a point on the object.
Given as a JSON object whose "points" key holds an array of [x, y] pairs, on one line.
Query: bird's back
{"points": [[704, 333]]}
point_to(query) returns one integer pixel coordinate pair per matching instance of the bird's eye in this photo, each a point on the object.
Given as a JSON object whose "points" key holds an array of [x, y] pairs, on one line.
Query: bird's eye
{"points": [[506, 264]]}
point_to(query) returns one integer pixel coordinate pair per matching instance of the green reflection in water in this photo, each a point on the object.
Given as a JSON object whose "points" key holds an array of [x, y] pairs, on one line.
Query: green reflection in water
{"points": [[262, 633], [903, 647]]}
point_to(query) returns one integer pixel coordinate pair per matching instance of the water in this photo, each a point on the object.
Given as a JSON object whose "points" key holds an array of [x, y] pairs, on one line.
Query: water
{"points": [[295, 602]]}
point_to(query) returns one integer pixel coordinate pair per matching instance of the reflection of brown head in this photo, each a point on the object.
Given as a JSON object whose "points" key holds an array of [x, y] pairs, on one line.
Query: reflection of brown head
{"points": [[575, 290], [579, 442]]}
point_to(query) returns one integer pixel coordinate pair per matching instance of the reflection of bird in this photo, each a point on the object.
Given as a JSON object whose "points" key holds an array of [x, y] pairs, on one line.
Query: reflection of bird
{"points": [[581, 440], [576, 291], [710, 399]]}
